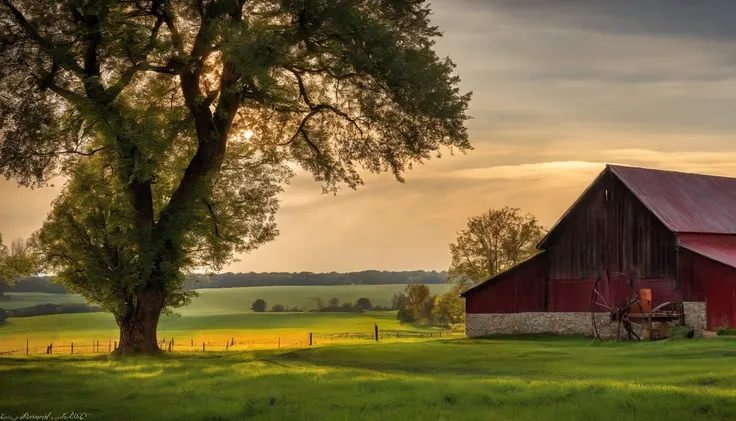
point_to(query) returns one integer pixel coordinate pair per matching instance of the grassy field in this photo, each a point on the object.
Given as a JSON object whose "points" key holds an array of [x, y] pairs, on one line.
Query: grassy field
{"points": [[13, 300], [489, 379], [238, 300], [215, 316], [261, 329]]}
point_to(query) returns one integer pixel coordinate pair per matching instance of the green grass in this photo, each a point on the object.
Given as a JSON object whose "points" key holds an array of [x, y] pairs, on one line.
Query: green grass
{"points": [[489, 379]]}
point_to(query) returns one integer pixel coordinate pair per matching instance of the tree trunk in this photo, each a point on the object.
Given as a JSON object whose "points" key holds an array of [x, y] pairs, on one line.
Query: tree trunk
{"points": [[138, 329]]}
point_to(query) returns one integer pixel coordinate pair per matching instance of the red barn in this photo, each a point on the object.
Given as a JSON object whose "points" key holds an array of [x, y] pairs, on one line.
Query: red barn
{"points": [[673, 232]]}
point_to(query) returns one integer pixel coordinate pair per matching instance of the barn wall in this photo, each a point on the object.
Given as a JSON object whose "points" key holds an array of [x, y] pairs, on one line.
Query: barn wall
{"points": [[521, 289], [613, 231], [568, 295], [703, 279], [532, 323]]}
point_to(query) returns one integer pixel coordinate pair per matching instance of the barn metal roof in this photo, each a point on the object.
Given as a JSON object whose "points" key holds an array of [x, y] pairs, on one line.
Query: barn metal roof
{"points": [[684, 202], [718, 248]]}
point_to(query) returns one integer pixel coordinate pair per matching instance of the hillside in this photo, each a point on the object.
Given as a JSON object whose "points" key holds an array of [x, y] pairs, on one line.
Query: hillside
{"points": [[45, 284]]}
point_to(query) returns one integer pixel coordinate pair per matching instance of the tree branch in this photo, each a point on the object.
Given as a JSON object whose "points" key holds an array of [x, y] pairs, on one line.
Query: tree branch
{"points": [[316, 110], [51, 48], [214, 218], [170, 19], [68, 152]]}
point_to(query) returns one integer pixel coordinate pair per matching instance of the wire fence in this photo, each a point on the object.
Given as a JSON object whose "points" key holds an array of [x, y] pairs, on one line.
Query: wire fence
{"points": [[191, 344]]}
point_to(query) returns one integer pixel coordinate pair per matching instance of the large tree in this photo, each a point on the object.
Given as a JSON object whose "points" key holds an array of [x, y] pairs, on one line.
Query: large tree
{"points": [[491, 243], [171, 121]]}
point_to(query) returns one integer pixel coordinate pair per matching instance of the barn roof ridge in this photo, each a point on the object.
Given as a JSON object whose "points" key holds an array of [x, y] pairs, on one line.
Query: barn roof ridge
{"points": [[660, 170], [684, 202]]}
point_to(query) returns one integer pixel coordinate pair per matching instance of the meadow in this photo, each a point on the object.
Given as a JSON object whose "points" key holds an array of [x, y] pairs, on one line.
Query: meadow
{"points": [[512, 378], [239, 300], [214, 317]]}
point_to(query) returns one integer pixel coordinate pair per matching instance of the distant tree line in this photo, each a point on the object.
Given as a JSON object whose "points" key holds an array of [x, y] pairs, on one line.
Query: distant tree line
{"points": [[367, 277], [49, 309], [252, 279], [37, 284], [333, 306]]}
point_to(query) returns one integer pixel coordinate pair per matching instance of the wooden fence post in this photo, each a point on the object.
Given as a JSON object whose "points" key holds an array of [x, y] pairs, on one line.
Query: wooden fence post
{"points": [[376, 329], [202, 346], [26, 346], [72, 347], [98, 345], [232, 341], [115, 348], [192, 342], [51, 348], [279, 346], [227, 346], [109, 342], [310, 338]]}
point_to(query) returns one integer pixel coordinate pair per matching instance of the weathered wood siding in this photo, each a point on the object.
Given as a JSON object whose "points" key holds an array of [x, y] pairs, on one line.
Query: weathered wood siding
{"points": [[610, 229], [521, 289]]}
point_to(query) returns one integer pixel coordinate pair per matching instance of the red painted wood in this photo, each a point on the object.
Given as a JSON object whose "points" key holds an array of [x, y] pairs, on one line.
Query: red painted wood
{"points": [[703, 279], [521, 289]]}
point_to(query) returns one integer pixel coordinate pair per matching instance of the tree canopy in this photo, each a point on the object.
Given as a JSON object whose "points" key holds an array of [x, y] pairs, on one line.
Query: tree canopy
{"points": [[491, 243], [173, 122]]}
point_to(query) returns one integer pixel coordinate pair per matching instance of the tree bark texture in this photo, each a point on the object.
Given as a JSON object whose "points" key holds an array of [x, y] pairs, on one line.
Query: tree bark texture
{"points": [[138, 328]]}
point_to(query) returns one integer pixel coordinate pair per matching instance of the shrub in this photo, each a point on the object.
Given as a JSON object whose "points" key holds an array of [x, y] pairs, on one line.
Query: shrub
{"points": [[278, 308], [3, 315], [727, 332], [295, 309], [404, 315], [347, 307], [259, 306]]}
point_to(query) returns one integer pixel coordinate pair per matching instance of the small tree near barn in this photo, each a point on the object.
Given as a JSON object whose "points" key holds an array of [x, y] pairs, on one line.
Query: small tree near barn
{"points": [[491, 243], [449, 308]]}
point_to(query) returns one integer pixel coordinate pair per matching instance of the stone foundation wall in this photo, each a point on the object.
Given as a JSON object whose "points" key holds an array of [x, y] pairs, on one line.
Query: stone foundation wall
{"points": [[695, 314], [532, 323]]}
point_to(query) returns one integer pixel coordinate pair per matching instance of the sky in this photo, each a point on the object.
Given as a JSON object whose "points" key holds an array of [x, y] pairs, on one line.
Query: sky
{"points": [[560, 89]]}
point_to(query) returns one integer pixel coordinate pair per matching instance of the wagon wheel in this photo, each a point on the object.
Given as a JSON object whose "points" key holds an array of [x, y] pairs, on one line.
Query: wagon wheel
{"points": [[618, 319], [628, 323], [602, 328]]}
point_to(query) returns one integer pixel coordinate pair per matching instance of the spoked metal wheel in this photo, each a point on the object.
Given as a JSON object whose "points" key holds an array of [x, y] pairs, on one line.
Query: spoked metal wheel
{"points": [[612, 301]]}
